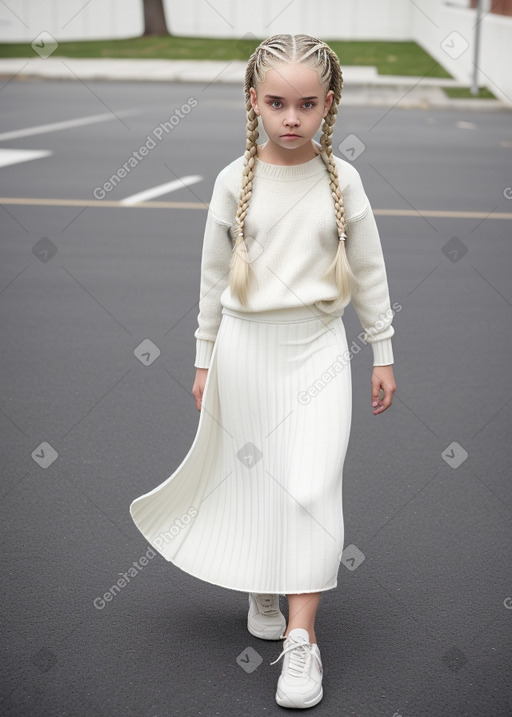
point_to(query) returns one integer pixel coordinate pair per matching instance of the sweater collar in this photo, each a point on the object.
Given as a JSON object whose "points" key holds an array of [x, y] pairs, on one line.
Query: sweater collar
{"points": [[286, 172]]}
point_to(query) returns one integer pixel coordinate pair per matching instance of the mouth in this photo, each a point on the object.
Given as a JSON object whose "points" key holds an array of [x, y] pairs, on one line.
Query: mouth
{"points": [[290, 136]]}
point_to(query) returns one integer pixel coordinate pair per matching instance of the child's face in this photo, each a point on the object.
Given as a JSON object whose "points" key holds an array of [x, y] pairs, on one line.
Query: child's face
{"points": [[292, 104]]}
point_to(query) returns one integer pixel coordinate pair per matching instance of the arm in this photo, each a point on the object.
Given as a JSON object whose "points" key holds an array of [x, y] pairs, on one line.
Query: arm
{"points": [[370, 298], [216, 255], [215, 260], [370, 293]]}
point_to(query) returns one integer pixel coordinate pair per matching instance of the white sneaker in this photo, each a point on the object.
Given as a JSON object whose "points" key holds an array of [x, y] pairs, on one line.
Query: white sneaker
{"points": [[265, 619], [300, 683]]}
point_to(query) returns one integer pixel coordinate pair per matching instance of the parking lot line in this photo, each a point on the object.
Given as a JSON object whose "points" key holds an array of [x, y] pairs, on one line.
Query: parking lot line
{"points": [[48, 202], [162, 189], [66, 124], [9, 157]]}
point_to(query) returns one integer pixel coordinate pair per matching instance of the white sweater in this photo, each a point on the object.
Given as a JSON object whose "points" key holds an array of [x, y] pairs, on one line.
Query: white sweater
{"points": [[292, 237]]}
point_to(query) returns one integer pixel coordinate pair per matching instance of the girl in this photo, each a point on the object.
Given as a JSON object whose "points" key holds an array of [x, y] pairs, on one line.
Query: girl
{"points": [[290, 239]]}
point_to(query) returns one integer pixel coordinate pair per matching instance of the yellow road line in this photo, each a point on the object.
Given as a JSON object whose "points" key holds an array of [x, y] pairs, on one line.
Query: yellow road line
{"points": [[441, 213], [32, 201]]}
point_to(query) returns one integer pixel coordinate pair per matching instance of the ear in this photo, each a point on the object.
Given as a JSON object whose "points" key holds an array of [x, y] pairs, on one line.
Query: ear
{"points": [[254, 100], [328, 102]]}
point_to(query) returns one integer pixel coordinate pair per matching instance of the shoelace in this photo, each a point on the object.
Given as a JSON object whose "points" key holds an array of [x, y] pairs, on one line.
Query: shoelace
{"points": [[298, 663], [265, 602]]}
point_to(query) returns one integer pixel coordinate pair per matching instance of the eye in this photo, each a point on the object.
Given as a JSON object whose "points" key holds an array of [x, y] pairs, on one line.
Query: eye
{"points": [[310, 103], [274, 102]]}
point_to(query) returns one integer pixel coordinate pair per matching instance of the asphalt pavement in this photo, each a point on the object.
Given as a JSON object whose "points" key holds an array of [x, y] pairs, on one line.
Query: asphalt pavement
{"points": [[94, 262]]}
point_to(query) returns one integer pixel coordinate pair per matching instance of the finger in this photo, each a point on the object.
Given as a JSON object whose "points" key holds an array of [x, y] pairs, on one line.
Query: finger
{"points": [[376, 390], [377, 395], [385, 402]]}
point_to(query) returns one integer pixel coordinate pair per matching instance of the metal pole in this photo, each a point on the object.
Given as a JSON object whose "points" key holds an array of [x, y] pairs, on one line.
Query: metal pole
{"points": [[474, 87]]}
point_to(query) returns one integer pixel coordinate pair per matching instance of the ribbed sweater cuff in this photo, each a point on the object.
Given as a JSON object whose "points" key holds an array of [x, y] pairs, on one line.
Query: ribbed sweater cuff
{"points": [[204, 350], [382, 352]]}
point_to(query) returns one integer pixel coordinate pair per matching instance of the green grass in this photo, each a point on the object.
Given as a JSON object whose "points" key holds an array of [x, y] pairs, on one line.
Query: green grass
{"points": [[465, 92], [390, 58]]}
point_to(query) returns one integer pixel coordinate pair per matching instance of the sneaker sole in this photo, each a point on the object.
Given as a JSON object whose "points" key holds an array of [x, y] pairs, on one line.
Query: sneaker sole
{"points": [[284, 702], [278, 635]]}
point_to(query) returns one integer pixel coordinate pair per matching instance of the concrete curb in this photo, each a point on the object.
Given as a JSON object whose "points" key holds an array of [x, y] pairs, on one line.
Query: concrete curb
{"points": [[363, 86]]}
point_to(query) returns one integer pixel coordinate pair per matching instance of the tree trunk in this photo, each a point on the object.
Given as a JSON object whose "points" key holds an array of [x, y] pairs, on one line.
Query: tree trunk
{"points": [[499, 7], [154, 18]]}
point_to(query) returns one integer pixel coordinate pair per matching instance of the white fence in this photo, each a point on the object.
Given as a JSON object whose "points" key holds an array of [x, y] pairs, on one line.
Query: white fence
{"points": [[447, 32], [22, 20], [445, 28]]}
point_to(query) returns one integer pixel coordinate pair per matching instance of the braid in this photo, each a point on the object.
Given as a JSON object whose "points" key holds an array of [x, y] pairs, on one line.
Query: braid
{"points": [[314, 53], [343, 273], [327, 156], [239, 264]]}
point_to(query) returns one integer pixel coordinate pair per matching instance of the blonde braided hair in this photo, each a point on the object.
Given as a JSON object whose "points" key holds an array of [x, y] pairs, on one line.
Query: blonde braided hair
{"points": [[319, 56]]}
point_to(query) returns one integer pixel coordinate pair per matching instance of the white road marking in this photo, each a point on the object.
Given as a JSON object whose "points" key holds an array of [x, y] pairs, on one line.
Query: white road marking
{"points": [[15, 156], [66, 124], [162, 189], [465, 125]]}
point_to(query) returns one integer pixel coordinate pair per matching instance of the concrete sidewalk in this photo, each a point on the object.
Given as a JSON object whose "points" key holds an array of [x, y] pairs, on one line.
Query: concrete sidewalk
{"points": [[362, 84]]}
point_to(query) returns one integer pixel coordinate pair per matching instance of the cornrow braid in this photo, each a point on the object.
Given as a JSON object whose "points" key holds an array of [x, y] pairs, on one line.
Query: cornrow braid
{"points": [[340, 264], [315, 53]]}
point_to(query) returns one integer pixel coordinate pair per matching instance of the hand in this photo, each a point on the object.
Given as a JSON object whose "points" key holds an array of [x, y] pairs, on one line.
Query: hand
{"points": [[198, 387], [382, 379]]}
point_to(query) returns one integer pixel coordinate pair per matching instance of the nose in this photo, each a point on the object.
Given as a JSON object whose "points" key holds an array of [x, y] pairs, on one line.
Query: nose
{"points": [[292, 118]]}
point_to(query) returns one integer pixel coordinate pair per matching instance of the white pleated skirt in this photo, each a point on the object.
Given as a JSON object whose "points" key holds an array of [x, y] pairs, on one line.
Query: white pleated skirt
{"points": [[256, 504]]}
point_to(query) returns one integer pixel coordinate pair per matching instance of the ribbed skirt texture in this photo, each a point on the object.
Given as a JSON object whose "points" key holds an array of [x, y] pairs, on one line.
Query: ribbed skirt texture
{"points": [[256, 504]]}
